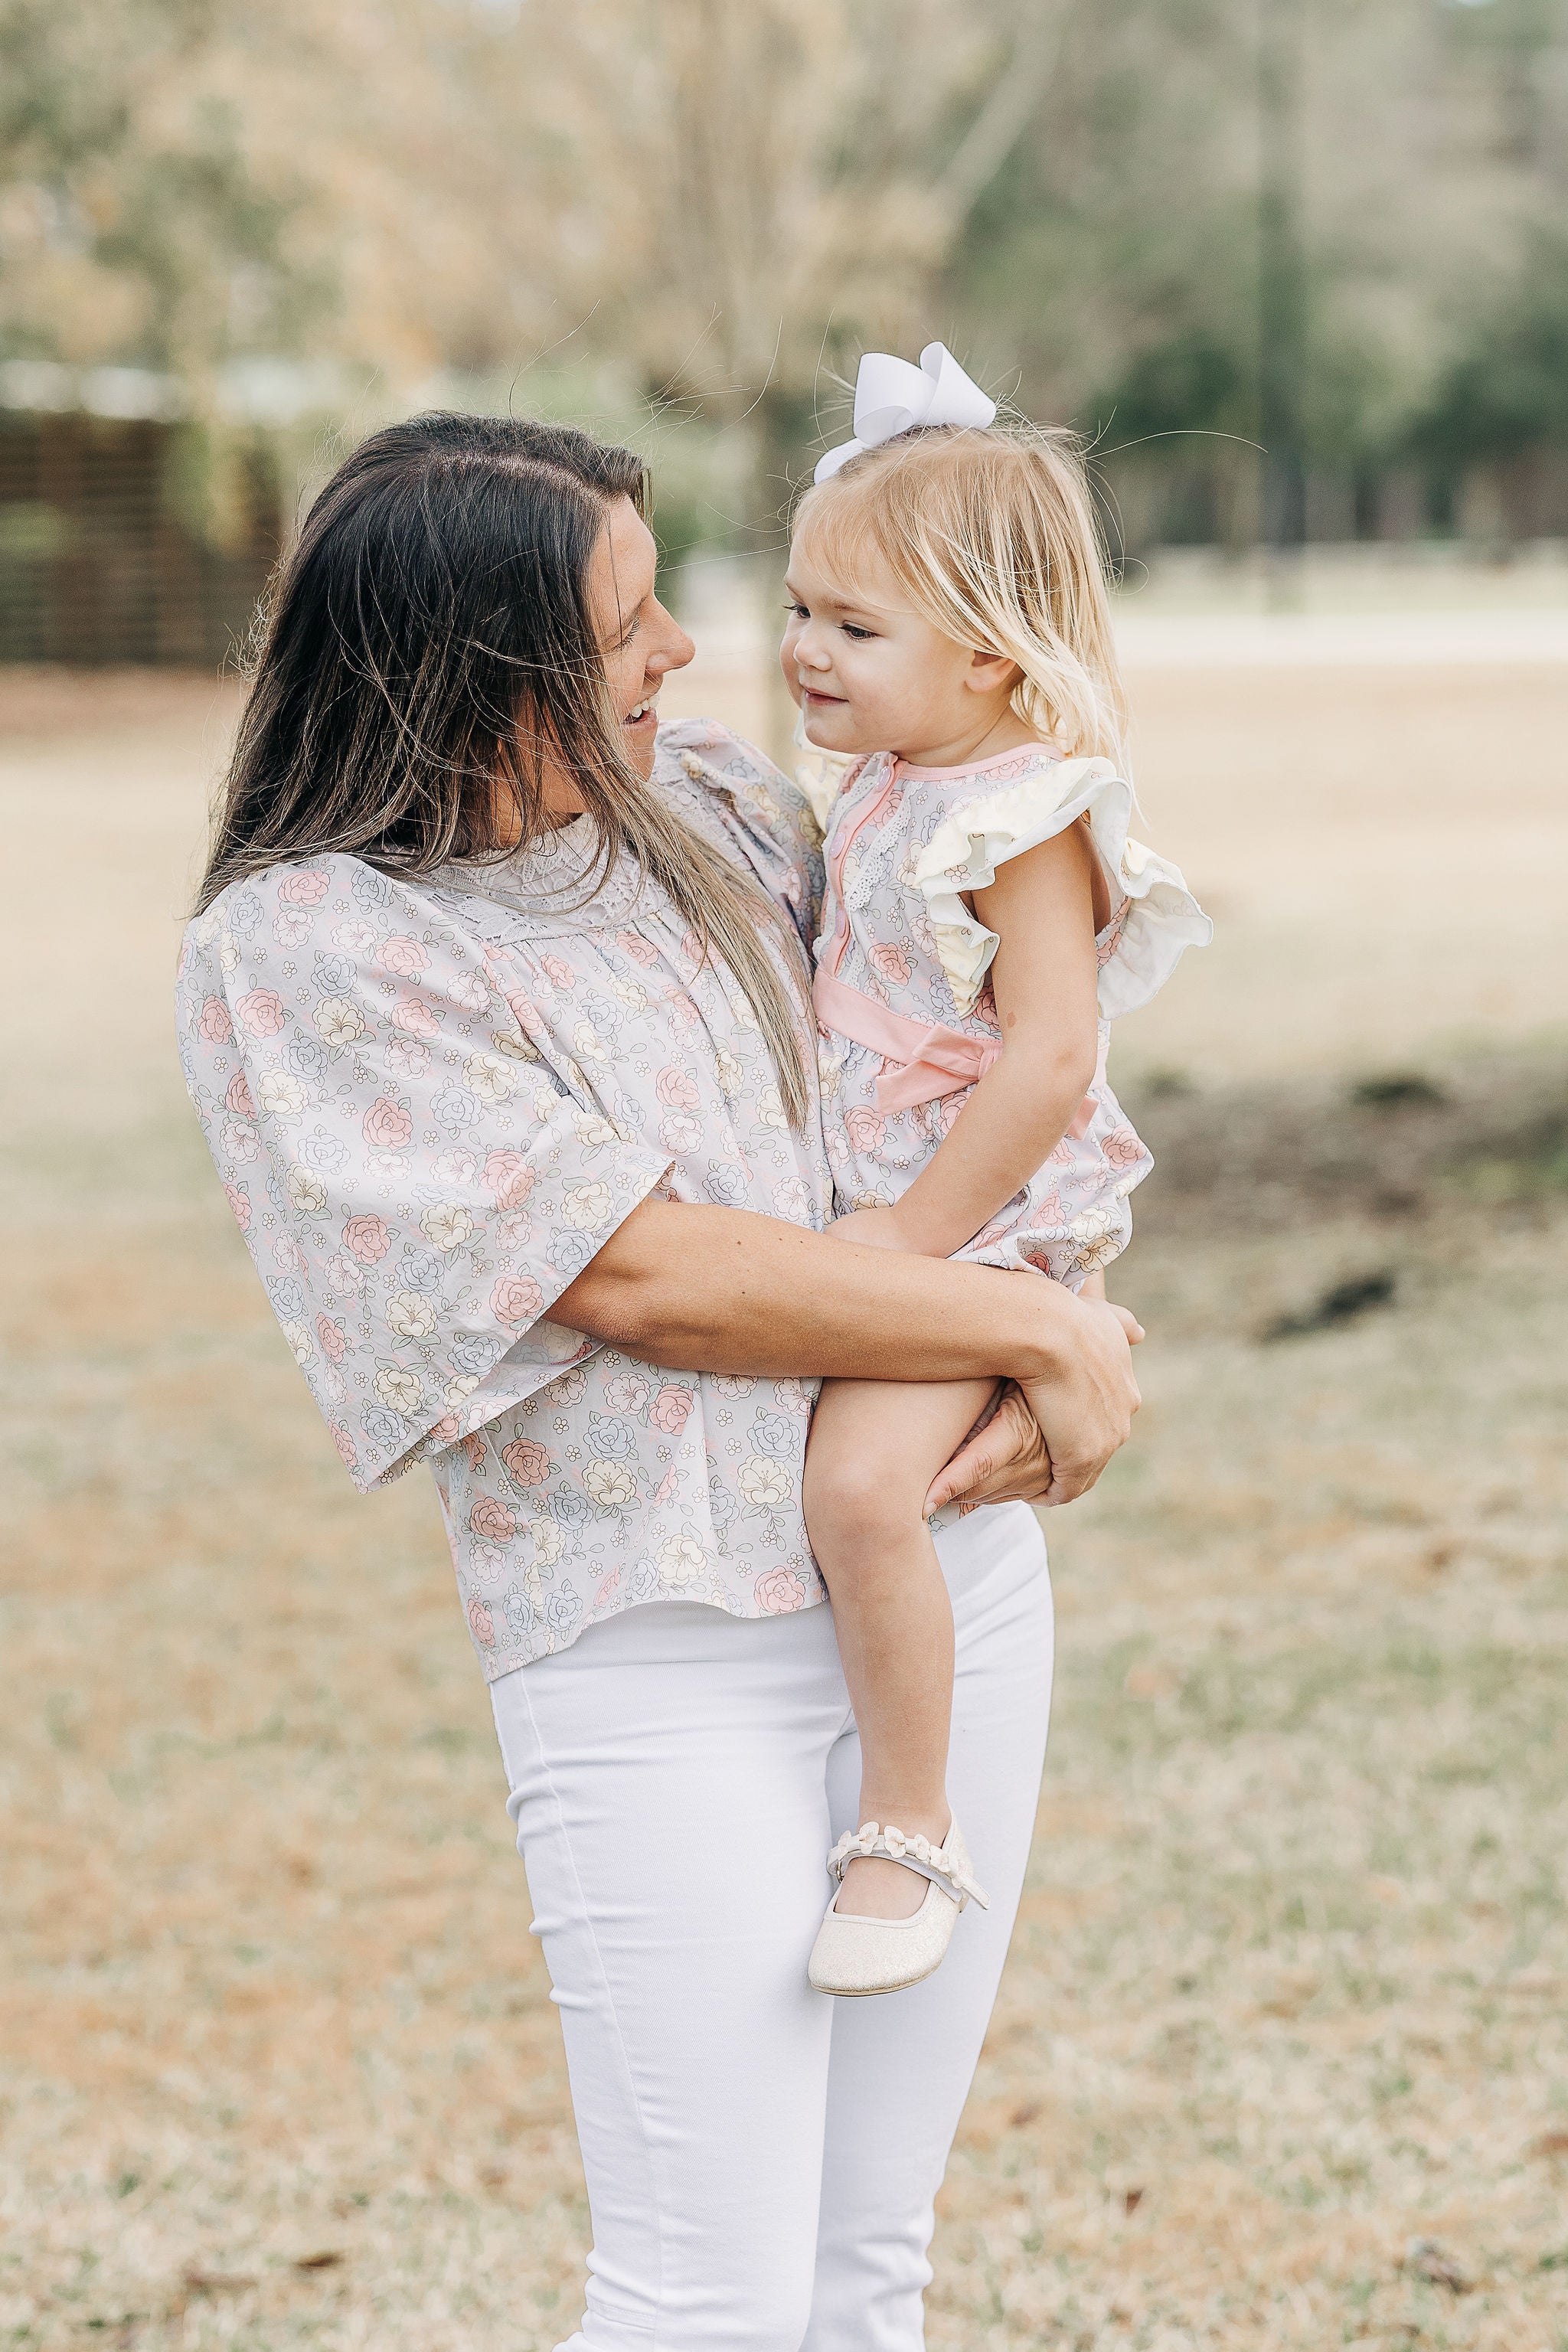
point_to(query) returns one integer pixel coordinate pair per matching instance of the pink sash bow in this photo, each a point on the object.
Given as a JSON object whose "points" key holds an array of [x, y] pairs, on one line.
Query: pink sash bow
{"points": [[927, 1062]]}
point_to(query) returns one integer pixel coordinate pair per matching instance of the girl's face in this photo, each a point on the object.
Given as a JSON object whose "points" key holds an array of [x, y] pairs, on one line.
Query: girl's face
{"points": [[872, 676]]}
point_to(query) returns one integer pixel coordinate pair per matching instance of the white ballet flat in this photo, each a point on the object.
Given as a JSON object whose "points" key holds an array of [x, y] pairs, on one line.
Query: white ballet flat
{"points": [[853, 1956]]}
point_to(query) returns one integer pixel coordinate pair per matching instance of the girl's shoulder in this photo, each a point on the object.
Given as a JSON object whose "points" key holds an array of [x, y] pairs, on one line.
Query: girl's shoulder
{"points": [[1010, 806]]}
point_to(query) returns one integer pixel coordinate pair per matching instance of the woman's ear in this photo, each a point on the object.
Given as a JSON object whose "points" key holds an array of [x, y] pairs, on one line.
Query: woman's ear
{"points": [[991, 673]]}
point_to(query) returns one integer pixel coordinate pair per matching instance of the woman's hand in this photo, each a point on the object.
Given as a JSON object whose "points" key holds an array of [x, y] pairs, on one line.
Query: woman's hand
{"points": [[1049, 1440]]}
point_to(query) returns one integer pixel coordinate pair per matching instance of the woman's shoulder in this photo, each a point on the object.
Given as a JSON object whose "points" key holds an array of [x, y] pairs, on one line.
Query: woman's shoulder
{"points": [[330, 888], [741, 800], [711, 759], [330, 922]]}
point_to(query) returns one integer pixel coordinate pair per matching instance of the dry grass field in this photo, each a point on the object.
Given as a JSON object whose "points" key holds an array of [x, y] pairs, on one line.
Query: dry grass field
{"points": [[1281, 2057]]}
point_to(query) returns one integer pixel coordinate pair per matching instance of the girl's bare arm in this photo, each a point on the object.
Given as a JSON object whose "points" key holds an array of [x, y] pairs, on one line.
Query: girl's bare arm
{"points": [[1041, 907]]}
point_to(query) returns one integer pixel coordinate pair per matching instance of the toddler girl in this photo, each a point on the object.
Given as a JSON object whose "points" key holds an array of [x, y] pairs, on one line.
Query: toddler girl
{"points": [[949, 635]]}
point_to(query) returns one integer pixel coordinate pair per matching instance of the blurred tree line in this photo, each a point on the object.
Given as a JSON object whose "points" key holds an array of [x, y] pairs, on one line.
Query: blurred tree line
{"points": [[1187, 227]]}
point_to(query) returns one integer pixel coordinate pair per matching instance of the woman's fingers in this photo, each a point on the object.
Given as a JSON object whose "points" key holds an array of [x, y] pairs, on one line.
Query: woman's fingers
{"points": [[1003, 1462], [1085, 1407], [1049, 1442]]}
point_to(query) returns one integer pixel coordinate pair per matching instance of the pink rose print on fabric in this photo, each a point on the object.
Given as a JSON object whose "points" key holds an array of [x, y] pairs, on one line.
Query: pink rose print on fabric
{"points": [[508, 1176], [672, 1409], [677, 1087], [388, 1126], [474, 1450], [526, 1013], [683, 1012], [640, 951], [333, 1338], [367, 1238], [446, 1429], [415, 1018], [607, 1590], [865, 1128], [891, 962], [345, 1443], [481, 1623], [557, 971], [494, 1520], [214, 1023], [528, 1464], [263, 1011], [1122, 1147], [516, 1299], [303, 889], [779, 1591], [240, 1099], [1050, 1210], [239, 1201], [949, 1108], [667, 1484], [404, 956]]}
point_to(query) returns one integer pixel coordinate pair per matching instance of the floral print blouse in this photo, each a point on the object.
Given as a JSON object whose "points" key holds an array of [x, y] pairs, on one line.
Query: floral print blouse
{"points": [[430, 1102], [905, 844]]}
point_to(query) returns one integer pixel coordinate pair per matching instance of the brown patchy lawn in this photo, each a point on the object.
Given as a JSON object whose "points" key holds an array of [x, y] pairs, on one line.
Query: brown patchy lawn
{"points": [[1288, 1994]]}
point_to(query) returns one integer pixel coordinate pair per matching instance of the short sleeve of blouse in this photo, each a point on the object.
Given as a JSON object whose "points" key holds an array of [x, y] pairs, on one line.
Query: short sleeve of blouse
{"points": [[1157, 916], [415, 1184], [735, 794]]}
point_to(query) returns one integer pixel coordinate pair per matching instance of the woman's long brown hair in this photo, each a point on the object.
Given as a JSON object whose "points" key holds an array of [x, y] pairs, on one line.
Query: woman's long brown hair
{"points": [[427, 640]]}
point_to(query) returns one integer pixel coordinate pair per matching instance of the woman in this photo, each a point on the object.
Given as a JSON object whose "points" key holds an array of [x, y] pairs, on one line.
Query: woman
{"points": [[493, 1017]]}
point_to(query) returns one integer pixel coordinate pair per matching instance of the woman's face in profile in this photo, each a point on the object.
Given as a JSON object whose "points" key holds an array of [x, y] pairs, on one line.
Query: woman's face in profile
{"points": [[639, 641]]}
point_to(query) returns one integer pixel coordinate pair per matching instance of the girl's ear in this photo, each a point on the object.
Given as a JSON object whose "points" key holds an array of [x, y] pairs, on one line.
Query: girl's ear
{"points": [[991, 673]]}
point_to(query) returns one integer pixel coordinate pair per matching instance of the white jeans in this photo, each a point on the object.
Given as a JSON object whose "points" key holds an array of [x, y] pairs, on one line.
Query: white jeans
{"points": [[760, 2160]]}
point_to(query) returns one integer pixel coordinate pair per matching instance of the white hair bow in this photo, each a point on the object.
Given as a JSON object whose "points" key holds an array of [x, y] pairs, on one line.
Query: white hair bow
{"points": [[892, 397]]}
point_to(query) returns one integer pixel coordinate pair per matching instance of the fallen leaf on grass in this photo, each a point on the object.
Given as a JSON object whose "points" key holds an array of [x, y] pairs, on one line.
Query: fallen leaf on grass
{"points": [[322, 2262], [1552, 2143], [1131, 2199], [1024, 2115], [1424, 2259]]}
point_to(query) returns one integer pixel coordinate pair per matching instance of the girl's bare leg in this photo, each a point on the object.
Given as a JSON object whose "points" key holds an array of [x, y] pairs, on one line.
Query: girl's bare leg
{"points": [[876, 1446]]}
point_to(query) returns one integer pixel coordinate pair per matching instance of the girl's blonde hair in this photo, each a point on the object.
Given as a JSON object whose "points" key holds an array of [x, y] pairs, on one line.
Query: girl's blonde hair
{"points": [[992, 534]]}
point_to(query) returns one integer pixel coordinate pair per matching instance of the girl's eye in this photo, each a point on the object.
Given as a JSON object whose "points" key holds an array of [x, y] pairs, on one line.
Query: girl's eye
{"points": [[797, 611], [852, 629]]}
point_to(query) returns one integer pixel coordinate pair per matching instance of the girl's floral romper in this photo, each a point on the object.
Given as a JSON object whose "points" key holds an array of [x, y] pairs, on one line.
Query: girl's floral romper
{"points": [[907, 1018]]}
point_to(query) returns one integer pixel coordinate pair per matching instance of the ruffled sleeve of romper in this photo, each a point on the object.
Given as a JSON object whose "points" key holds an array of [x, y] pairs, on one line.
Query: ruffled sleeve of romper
{"points": [[414, 1179], [733, 793], [1158, 917]]}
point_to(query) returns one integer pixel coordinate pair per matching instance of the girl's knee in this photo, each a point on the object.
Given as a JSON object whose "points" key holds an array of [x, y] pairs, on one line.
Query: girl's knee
{"points": [[858, 1499]]}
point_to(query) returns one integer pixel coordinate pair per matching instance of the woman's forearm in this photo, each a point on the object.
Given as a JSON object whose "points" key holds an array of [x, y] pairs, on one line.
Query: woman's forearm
{"points": [[724, 1290]]}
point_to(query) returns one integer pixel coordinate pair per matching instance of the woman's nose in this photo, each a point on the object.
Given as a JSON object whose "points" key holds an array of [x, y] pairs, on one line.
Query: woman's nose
{"points": [[674, 650]]}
